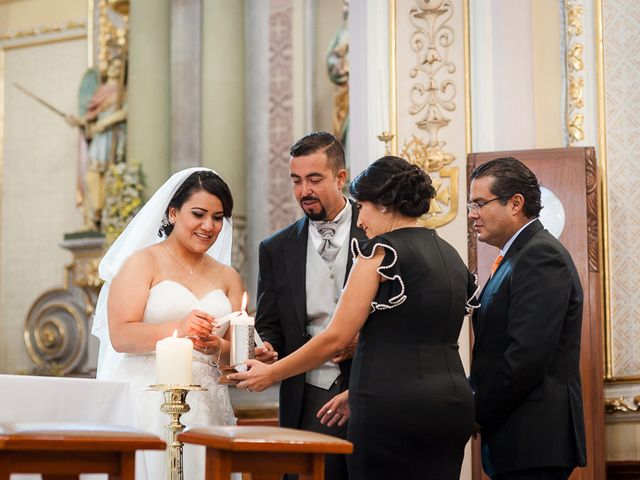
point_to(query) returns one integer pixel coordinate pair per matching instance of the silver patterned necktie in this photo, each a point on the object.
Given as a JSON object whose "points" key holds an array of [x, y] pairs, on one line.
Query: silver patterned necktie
{"points": [[328, 248]]}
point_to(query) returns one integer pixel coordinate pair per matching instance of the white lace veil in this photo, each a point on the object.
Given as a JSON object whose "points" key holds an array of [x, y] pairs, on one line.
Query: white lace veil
{"points": [[142, 232]]}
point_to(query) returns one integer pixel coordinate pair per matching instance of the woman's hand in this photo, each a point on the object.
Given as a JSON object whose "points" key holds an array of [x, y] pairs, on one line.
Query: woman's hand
{"points": [[335, 410], [259, 377], [196, 324], [210, 345]]}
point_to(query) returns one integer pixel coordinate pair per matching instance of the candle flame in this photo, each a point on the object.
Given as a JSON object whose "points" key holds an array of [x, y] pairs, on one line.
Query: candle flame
{"points": [[244, 301], [175, 334]]}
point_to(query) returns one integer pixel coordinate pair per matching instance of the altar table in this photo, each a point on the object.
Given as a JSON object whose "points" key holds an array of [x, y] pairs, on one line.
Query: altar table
{"points": [[31, 399]]}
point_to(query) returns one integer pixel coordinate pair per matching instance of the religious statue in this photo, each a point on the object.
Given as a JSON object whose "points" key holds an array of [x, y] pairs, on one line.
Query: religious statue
{"points": [[338, 69], [102, 118]]}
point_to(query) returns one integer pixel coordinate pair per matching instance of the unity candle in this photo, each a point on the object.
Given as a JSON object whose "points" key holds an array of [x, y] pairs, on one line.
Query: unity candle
{"points": [[242, 335], [174, 358]]}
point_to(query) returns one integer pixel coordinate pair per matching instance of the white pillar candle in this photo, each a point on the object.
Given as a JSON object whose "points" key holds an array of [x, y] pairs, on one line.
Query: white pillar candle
{"points": [[174, 358]]}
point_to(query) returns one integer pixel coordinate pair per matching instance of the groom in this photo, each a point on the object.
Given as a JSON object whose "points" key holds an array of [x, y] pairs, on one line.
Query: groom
{"points": [[302, 271]]}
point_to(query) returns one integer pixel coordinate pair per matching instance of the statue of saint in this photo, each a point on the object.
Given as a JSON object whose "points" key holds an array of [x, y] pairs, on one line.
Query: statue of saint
{"points": [[338, 69], [103, 115]]}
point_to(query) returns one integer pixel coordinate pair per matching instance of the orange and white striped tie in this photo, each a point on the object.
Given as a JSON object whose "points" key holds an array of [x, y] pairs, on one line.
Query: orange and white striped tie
{"points": [[496, 262]]}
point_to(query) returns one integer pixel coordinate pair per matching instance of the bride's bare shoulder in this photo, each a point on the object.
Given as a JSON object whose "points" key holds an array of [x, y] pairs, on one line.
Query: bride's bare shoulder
{"points": [[145, 258], [230, 273]]}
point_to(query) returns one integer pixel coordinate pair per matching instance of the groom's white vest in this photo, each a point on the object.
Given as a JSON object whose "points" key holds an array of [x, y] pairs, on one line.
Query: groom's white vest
{"points": [[323, 286]]}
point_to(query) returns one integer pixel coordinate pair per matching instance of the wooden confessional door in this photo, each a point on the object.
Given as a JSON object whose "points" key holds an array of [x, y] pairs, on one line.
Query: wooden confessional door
{"points": [[572, 174]]}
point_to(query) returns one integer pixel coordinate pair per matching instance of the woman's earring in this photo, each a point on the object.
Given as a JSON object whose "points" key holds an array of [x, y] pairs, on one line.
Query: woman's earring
{"points": [[383, 210]]}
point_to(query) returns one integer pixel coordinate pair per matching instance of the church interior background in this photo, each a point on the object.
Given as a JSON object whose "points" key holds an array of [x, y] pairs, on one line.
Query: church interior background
{"points": [[232, 84]]}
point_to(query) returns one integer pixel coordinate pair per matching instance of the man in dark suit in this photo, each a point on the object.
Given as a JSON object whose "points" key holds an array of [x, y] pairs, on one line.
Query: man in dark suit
{"points": [[302, 272], [525, 364]]}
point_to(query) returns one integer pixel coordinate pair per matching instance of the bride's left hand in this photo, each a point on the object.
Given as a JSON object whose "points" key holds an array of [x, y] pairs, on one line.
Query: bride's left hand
{"points": [[207, 345], [258, 378]]}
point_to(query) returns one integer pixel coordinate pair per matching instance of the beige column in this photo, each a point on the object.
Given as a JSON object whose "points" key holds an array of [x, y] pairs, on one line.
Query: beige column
{"points": [[223, 94], [186, 83], [148, 96], [257, 137], [222, 116]]}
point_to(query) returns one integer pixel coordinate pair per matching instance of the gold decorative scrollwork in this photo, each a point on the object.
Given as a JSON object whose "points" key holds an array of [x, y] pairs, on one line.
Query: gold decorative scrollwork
{"points": [[575, 65], [431, 96], [85, 271], [444, 207], [574, 19], [621, 404], [112, 31], [591, 173], [56, 333], [32, 32]]}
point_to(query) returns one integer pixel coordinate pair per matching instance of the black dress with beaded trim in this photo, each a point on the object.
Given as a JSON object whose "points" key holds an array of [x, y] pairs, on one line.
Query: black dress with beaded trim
{"points": [[411, 405]]}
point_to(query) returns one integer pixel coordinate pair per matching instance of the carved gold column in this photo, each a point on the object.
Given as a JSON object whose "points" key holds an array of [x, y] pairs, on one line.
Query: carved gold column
{"points": [[432, 97], [575, 76]]}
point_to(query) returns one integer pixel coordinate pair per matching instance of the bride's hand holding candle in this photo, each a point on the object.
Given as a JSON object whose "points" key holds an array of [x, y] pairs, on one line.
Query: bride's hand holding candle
{"points": [[196, 324], [212, 345]]}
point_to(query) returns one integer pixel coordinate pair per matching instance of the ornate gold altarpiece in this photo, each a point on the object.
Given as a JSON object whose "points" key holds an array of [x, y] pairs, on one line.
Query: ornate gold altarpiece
{"points": [[57, 328]]}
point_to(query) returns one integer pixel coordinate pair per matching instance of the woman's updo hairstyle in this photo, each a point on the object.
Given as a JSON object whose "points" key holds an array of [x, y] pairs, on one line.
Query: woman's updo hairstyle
{"points": [[203, 180], [394, 183]]}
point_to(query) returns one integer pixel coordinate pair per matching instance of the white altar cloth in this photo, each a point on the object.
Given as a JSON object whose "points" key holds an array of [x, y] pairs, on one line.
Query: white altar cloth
{"points": [[53, 399]]}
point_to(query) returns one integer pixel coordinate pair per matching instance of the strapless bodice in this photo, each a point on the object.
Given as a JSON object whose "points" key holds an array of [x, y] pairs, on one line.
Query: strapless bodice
{"points": [[170, 300]]}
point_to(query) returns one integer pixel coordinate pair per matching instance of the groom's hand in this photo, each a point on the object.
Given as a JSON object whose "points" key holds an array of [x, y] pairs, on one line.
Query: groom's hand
{"points": [[266, 354]]}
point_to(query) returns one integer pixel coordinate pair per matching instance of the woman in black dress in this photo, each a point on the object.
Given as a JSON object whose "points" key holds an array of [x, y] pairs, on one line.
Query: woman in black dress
{"points": [[411, 405]]}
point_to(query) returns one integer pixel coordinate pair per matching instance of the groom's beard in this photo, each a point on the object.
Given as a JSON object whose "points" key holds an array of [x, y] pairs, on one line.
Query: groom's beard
{"points": [[320, 215]]}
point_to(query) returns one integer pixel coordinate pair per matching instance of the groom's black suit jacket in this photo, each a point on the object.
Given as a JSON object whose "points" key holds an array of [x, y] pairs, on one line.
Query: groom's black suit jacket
{"points": [[525, 365], [281, 316]]}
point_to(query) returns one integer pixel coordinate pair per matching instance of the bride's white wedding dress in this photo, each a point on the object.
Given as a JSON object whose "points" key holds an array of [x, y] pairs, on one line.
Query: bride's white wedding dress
{"points": [[169, 300]]}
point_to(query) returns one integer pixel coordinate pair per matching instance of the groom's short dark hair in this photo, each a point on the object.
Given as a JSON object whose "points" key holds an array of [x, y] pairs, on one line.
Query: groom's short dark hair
{"points": [[321, 142]]}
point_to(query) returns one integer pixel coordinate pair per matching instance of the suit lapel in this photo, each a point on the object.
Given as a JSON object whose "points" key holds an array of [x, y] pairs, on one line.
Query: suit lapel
{"points": [[522, 239], [295, 258], [490, 285]]}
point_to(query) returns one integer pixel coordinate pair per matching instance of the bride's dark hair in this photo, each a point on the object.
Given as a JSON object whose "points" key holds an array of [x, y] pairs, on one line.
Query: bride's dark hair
{"points": [[394, 183], [196, 182]]}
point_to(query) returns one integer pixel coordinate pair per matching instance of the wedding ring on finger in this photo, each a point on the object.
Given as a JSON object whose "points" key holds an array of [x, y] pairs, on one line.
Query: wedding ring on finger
{"points": [[330, 412]]}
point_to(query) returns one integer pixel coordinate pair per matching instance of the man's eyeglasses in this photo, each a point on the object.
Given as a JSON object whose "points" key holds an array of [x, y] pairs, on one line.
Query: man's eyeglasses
{"points": [[474, 207]]}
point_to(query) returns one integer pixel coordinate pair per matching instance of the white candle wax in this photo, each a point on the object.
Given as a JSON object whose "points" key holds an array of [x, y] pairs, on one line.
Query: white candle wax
{"points": [[242, 339], [174, 358], [242, 318]]}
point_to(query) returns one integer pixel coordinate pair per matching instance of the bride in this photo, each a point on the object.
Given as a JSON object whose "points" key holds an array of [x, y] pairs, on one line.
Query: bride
{"points": [[167, 272]]}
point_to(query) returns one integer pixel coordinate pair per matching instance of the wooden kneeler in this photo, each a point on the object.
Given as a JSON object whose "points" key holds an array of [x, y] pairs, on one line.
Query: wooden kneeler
{"points": [[264, 450], [62, 451]]}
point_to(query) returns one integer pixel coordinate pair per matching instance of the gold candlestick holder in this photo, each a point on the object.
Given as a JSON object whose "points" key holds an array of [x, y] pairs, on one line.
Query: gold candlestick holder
{"points": [[175, 404], [386, 137]]}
